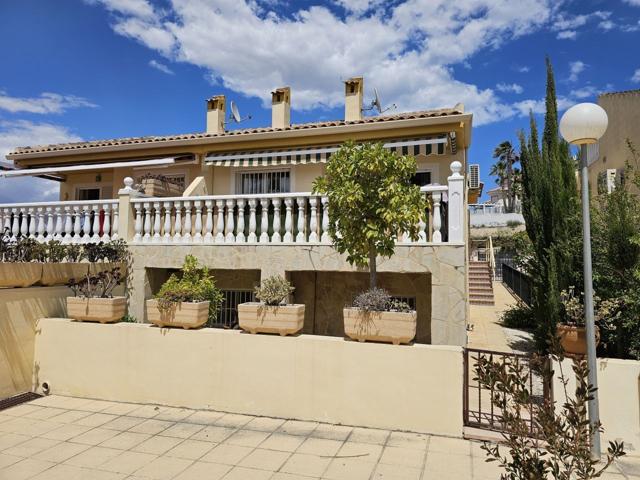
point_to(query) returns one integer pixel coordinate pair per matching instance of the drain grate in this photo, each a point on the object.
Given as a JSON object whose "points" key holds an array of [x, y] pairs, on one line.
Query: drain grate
{"points": [[17, 400]]}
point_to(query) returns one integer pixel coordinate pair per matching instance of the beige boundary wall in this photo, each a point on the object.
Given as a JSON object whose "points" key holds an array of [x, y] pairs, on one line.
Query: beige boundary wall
{"points": [[415, 388], [20, 309], [619, 396]]}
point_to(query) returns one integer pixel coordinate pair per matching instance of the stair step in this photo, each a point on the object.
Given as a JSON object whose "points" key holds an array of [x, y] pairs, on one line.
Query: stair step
{"points": [[481, 302]]}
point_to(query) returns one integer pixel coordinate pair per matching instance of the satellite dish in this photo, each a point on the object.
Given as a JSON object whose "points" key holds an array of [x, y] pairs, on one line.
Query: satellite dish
{"points": [[376, 104], [235, 114]]}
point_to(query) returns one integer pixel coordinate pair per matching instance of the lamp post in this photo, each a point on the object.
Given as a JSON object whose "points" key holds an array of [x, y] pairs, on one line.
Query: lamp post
{"points": [[584, 124]]}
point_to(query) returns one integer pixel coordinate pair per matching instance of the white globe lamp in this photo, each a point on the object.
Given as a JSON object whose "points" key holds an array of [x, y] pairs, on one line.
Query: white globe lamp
{"points": [[584, 123]]}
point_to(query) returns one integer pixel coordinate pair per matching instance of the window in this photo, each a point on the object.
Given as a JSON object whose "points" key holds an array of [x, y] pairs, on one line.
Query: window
{"points": [[88, 194], [177, 179], [277, 181], [421, 179], [228, 311]]}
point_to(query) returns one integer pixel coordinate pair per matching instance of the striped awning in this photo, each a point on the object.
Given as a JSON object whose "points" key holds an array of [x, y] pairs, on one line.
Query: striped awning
{"points": [[300, 156]]}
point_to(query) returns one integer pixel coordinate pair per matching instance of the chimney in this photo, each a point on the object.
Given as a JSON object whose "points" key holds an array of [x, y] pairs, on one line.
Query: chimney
{"points": [[353, 92], [216, 111], [281, 107]]}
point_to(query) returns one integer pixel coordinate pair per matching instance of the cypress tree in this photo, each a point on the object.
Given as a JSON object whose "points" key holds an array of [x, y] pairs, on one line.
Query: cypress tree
{"points": [[551, 211]]}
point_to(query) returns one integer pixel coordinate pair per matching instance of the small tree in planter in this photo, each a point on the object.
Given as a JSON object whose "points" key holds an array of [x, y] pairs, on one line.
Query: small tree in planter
{"points": [[272, 314], [93, 298], [187, 300], [20, 261], [61, 263], [371, 201]]}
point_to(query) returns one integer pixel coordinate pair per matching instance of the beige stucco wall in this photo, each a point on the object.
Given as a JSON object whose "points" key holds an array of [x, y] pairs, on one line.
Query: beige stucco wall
{"points": [[416, 388], [619, 396], [20, 309], [444, 264], [623, 110], [89, 180]]}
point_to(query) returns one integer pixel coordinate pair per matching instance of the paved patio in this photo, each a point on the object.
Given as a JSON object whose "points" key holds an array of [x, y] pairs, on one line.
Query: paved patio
{"points": [[64, 438]]}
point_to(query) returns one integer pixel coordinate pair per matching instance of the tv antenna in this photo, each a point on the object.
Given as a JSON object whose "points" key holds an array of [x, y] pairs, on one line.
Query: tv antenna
{"points": [[376, 104], [235, 114]]}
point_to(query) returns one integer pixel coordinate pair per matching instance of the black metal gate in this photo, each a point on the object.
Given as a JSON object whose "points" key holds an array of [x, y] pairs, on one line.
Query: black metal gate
{"points": [[478, 409]]}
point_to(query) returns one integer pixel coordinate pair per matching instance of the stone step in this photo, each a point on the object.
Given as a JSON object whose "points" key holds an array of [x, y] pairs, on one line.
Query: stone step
{"points": [[473, 301]]}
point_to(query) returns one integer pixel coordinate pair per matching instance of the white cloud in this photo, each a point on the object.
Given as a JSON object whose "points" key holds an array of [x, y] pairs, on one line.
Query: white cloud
{"points": [[45, 103], [407, 53], [567, 25], [635, 3], [587, 91], [575, 69], [606, 25], [524, 69], [509, 88], [636, 76], [567, 35], [23, 133], [160, 66], [138, 8]]}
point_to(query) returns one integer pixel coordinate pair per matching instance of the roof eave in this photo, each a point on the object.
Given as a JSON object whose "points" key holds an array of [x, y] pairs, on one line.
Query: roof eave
{"points": [[464, 120]]}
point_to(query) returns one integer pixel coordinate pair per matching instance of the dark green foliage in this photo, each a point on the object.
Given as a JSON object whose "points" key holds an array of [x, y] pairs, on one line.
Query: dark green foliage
{"points": [[100, 285], [274, 290], [518, 316], [509, 176], [379, 300], [371, 199], [551, 209]]}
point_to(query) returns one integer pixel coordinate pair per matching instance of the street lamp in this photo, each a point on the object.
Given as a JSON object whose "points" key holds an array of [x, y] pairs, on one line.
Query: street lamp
{"points": [[584, 124]]}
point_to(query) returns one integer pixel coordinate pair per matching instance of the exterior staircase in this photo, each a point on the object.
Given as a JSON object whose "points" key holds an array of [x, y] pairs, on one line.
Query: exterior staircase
{"points": [[480, 284]]}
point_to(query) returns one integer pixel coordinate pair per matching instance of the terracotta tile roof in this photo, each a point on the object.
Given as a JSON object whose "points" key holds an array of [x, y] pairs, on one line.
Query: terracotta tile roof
{"points": [[189, 136], [623, 92]]}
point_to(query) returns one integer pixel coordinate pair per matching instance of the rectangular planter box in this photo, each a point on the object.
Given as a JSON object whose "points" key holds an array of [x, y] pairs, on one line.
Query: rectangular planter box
{"points": [[103, 310], [61, 273], [97, 267], [155, 187], [19, 274], [257, 317], [183, 314], [390, 327]]}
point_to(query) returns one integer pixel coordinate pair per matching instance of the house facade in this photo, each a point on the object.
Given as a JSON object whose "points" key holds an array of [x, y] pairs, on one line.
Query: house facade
{"points": [[607, 158], [240, 200]]}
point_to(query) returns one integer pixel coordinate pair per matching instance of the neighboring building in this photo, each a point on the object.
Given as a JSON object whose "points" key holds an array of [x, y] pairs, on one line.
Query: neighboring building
{"points": [[607, 158], [239, 200]]}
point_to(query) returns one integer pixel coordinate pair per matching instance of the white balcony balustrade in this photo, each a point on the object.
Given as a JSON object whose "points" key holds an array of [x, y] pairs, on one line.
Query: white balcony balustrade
{"points": [[68, 222]]}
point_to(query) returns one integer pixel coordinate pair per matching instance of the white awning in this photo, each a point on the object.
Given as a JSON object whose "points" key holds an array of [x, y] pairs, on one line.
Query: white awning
{"points": [[81, 168], [295, 156]]}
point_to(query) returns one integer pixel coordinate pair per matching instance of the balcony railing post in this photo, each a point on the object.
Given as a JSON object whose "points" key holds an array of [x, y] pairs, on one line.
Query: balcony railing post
{"points": [[276, 237], [106, 225], [208, 236], [220, 222], [167, 222], [437, 219], [197, 236], [302, 210], [288, 222], [264, 221], [325, 220], [252, 220], [240, 236], [313, 220], [231, 237], [455, 211], [186, 230], [125, 218]]}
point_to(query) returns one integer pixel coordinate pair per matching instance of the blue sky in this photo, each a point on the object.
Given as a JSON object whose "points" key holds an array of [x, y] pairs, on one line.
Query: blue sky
{"points": [[91, 69]]}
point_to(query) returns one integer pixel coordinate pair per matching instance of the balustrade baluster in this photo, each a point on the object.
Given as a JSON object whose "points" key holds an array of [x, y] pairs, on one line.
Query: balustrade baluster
{"points": [[15, 225], [177, 226], [157, 214], [197, 236], [68, 224], [422, 226], [220, 222], [288, 222], [59, 224], [50, 223], [106, 224], [276, 237], [302, 211], [252, 220], [138, 225], [77, 224], [167, 222], [240, 237], [264, 221], [7, 221], [208, 236], [313, 221], [146, 238], [33, 222], [86, 223], [115, 222], [437, 220], [24, 226], [325, 220], [230, 237], [186, 232]]}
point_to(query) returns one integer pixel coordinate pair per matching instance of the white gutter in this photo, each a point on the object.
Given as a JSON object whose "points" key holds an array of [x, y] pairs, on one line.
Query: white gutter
{"points": [[81, 168]]}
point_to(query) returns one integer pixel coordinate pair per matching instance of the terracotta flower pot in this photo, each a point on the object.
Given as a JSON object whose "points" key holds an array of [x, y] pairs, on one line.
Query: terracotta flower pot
{"points": [[390, 327], [103, 310], [574, 339], [257, 317], [61, 273], [19, 274], [182, 314]]}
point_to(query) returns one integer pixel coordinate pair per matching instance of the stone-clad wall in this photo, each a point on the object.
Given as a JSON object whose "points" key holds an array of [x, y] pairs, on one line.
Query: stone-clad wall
{"points": [[444, 265]]}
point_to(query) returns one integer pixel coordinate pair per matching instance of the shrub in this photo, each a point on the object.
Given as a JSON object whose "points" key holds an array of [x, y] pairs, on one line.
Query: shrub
{"points": [[519, 315], [54, 251], [193, 284], [379, 300], [274, 290], [100, 285]]}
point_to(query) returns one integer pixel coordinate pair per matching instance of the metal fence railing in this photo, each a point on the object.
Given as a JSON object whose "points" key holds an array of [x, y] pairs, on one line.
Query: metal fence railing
{"points": [[519, 283]]}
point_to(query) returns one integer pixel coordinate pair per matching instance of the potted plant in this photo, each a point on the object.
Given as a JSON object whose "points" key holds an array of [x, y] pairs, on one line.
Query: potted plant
{"points": [[93, 298], [377, 317], [61, 263], [572, 333], [106, 255], [187, 300], [368, 210], [272, 314], [19, 265]]}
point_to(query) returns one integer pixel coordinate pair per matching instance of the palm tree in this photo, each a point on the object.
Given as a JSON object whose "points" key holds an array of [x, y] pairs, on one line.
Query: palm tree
{"points": [[508, 175]]}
